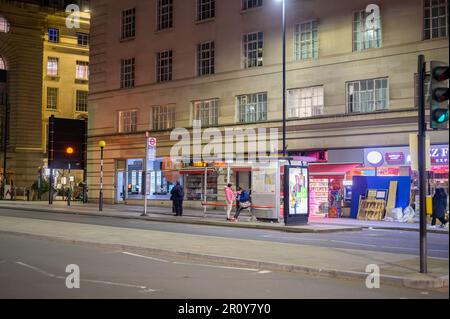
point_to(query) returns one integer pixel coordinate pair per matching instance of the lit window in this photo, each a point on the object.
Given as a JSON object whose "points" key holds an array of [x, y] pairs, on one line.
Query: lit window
{"points": [[2, 64], [52, 66], [4, 25], [252, 107], [435, 19], [207, 111], [53, 35], [368, 95], [127, 122], [82, 71], [305, 102], [253, 49], [365, 37], [163, 117]]}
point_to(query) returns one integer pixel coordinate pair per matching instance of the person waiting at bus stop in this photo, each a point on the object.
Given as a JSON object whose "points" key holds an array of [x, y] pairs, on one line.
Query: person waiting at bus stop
{"points": [[439, 208], [243, 202], [177, 196]]}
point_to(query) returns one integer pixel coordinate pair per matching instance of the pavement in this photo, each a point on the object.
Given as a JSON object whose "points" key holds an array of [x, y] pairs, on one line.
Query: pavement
{"points": [[214, 218], [395, 269]]}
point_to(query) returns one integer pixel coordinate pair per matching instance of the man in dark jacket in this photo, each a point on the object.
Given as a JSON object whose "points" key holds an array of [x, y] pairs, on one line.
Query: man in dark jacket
{"points": [[177, 197], [439, 207]]}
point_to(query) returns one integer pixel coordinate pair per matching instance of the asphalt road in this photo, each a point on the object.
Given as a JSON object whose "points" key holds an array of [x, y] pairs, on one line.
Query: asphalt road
{"points": [[33, 268], [392, 241]]}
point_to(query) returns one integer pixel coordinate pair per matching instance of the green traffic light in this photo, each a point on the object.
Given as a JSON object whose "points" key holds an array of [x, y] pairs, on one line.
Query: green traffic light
{"points": [[441, 116]]}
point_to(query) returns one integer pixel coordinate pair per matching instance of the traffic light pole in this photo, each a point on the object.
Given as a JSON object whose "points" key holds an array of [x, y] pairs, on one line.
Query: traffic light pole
{"points": [[422, 165]]}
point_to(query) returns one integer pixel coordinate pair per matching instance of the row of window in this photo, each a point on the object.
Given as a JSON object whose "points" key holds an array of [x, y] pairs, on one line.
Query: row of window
{"points": [[366, 35], [82, 38], [362, 96], [81, 68], [306, 42], [206, 9], [81, 100]]}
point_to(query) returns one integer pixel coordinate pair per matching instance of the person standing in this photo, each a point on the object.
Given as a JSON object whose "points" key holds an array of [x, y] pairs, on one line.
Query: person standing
{"points": [[439, 208], [229, 197], [177, 195]]}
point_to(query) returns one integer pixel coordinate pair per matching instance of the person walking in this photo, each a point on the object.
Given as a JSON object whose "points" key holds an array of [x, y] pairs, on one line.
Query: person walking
{"points": [[439, 207], [243, 201], [177, 196], [229, 197]]}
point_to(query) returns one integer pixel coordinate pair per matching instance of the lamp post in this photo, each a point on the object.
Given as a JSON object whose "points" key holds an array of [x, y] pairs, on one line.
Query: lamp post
{"points": [[283, 3], [102, 145], [69, 152]]}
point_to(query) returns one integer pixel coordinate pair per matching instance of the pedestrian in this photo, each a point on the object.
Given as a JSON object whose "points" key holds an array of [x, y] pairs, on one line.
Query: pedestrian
{"points": [[229, 197], [243, 202], [439, 208], [177, 196]]}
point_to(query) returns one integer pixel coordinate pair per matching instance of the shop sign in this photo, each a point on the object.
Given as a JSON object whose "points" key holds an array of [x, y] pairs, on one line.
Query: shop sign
{"points": [[375, 158], [439, 155], [395, 158]]}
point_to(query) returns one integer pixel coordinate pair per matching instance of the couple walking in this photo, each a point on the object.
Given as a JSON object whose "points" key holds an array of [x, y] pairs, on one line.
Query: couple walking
{"points": [[242, 198]]}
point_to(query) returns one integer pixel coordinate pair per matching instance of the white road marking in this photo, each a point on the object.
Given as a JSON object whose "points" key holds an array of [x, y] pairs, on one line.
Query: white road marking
{"points": [[36, 269], [266, 236], [351, 243], [86, 280], [146, 257], [215, 266], [424, 293], [264, 272]]}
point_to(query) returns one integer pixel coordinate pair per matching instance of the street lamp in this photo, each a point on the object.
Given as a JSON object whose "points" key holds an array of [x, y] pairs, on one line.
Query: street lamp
{"points": [[69, 152], [283, 2], [102, 145]]}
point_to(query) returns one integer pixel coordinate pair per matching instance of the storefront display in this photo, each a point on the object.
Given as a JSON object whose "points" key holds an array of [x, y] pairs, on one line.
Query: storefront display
{"points": [[318, 196], [194, 184]]}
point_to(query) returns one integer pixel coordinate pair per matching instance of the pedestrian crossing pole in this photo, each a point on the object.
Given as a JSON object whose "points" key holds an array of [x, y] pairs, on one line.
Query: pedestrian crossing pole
{"points": [[422, 164]]}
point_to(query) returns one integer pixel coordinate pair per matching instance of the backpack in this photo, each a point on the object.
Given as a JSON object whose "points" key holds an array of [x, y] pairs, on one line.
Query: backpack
{"points": [[244, 197]]}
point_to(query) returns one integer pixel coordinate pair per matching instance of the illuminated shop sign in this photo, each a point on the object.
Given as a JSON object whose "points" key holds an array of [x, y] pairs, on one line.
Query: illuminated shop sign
{"points": [[395, 158], [400, 156]]}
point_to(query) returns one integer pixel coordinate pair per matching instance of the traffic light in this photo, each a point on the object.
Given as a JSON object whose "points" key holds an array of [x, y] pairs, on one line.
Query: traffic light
{"points": [[70, 150], [439, 94]]}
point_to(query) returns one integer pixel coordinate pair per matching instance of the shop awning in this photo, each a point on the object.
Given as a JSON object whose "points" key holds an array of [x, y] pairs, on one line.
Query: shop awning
{"points": [[196, 171], [325, 169]]}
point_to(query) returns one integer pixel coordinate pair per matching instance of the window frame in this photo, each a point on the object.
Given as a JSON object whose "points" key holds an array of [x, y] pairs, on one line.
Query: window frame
{"points": [[430, 30], [211, 12], [166, 76], [82, 67], [84, 108], [55, 100], [259, 59], [312, 107], [245, 4], [314, 54], [258, 119], [127, 76], [54, 62], [162, 24], [5, 26], [211, 67], [363, 33], [128, 33], [347, 96], [169, 119], [84, 37], [123, 127], [56, 30], [211, 106]]}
